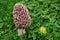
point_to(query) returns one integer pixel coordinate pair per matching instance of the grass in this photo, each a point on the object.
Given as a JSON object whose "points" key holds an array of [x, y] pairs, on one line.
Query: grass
{"points": [[43, 13]]}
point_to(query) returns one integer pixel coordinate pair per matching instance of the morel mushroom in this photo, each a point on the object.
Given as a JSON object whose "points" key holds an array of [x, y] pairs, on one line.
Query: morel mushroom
{"points": [[21, 18]]}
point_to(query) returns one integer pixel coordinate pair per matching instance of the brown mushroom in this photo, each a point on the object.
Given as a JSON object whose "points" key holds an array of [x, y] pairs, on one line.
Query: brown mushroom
{"points": [[21, 18]]}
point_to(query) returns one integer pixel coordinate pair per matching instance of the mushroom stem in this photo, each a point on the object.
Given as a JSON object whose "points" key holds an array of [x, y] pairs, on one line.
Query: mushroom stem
{"points": [[21, 31]]}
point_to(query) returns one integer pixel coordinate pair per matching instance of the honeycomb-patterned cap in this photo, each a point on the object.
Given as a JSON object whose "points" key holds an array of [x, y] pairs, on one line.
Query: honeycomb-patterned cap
{"points": [[21, 16]]}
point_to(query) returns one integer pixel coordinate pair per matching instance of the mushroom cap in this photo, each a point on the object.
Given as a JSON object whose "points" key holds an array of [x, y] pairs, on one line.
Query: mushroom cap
{"points": [[21, 16]]}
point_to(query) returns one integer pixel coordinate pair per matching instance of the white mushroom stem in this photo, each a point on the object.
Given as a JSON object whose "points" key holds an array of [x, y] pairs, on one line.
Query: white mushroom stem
{"points": [[21, 31]]}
